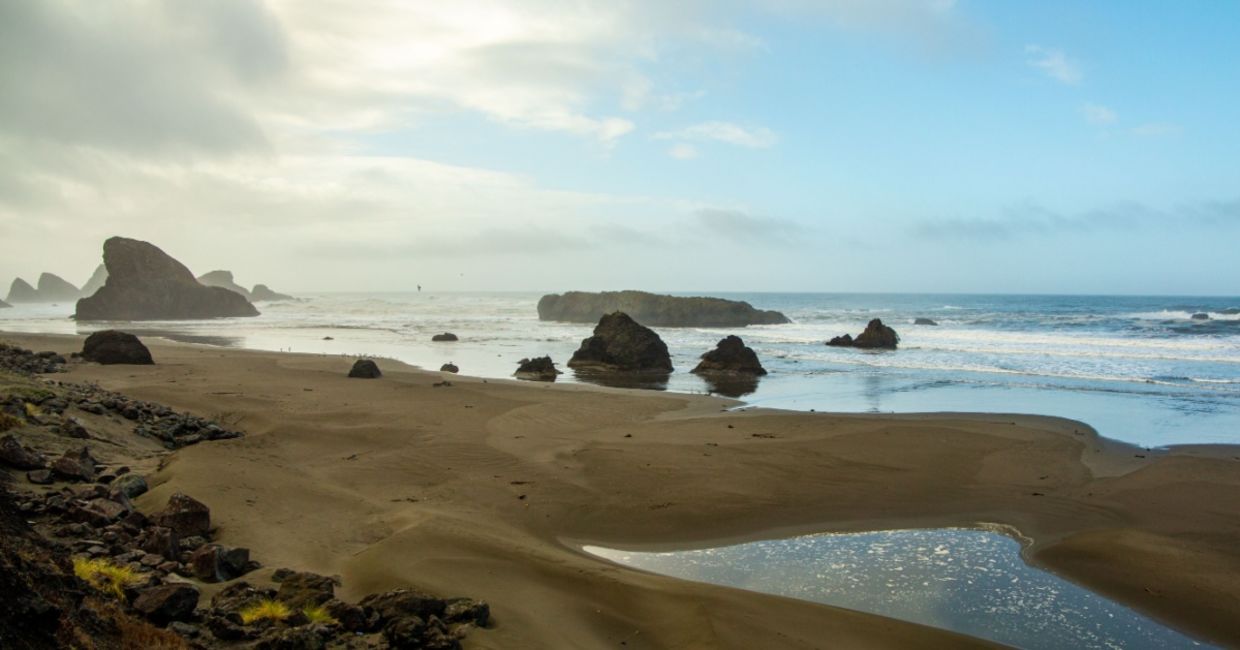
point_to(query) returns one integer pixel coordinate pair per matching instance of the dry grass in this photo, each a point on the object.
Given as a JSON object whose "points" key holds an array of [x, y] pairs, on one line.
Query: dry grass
{"points": [[105, 576], [265, 610], [33, 410], [8, 422], [319, 614], [137, 633]]}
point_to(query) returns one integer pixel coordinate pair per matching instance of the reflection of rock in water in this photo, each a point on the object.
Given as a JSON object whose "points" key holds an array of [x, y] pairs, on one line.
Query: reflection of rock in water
{"points": [[730, 385], [615, 379]]}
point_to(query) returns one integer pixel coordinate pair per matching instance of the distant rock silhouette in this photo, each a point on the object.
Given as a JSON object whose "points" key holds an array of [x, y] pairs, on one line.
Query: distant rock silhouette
{"points": [[445, 337], [53, 288], [96, 281], [144, 283], [654, 309], [262, 293], [730, 356], [21, 291], [365, 369], [112, 347], [622, 344], [5, 305], [924, 321], [1201, 316], [537, 369], [223, 280], [875, 336]]}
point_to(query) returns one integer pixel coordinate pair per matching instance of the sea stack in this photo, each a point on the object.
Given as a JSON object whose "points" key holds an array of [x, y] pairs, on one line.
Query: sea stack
{"points": [[96, 281], [21, 291], [731, 356], [145, 283], [262, 293], [223, 280], [622, 344], [875, 336], [53, 288], [5, 305], [654, 309]]}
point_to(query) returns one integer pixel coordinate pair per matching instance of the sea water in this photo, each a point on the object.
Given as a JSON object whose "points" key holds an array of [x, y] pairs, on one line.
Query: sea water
{"points": [[1138, 369], [968, 581]]}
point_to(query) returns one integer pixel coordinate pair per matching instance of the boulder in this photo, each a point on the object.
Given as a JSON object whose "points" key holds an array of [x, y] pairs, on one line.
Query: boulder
{"points": [[844, 341], [53, 288], [72, 427], [924, 321], [300, 589], [223, 280], [467, 610], [111, 347], [14, 454], [40, 477], [449, 367], [622, 344], [216, 563], [185, 515], [400, 603], [76, 465], [262, 293], [21, 291], [875, 336], [655, 309], [365, 369], [537, 369], [730, 356], [131, 485], [144, 283], [98, 512], [96, 281], [163, 604], [1201, 316], [161, 541], [445, 337]]}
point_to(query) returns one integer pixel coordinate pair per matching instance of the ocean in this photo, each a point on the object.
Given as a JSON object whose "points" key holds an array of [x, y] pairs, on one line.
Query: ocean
{"points": [[1139, 369]]}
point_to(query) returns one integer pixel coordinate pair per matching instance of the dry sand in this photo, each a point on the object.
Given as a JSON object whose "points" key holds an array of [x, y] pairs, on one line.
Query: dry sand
{"points": [[487, 489]]}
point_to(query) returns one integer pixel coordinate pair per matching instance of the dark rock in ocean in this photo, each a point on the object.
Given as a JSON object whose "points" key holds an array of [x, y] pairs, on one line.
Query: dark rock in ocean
{"points": [[185, 516], [111, 347], [76, 465], [537, 369], [96, 281], [223, 280], [262, 293], [446, 336], [730, 356], [53, 288], [654, 309], [365, 369], [144, 283], [924, 321], [622, 344], [449, 367], [875, 336], [1201, 316], [21, 291], [14, 454], [163, 604]]}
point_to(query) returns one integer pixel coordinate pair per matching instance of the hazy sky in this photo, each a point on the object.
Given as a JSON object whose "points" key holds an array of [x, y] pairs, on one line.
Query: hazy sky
{"points": [[832, 145]]}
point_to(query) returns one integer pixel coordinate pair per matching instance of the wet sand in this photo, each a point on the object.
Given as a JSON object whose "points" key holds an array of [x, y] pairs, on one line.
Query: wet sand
{"points": [[487, 488]]}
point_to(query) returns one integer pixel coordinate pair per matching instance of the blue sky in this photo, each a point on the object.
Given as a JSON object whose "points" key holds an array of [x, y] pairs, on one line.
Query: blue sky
{"points": [[838, 145]]}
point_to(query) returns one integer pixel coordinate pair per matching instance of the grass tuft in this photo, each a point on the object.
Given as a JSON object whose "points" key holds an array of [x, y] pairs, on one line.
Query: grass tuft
{"points": [[267, 609], [105, 576], [319, 614], [8, 422], [33, 410]]}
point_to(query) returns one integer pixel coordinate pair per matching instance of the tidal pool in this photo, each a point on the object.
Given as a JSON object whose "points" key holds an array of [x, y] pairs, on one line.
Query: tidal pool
{"points": [[966, 580]]}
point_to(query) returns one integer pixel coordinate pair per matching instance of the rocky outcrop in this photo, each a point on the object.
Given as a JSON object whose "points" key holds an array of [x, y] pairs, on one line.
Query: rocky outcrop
{"points": [[924, 321], [654, 309], [365, 369], [622, 344], [262, 293], [96, 281], [445, 337], [537, 369], [21, 291], [223, 280], [144, 283], [730, 356], [53, 288], [111, 347], [875, 336], [1201, 316]]}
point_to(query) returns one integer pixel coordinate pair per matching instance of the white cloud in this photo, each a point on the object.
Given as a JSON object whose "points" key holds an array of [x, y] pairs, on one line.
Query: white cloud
{"points": [[683, 151], [1098, 114], [753, 137], [1156, 129], [1055, 64]]}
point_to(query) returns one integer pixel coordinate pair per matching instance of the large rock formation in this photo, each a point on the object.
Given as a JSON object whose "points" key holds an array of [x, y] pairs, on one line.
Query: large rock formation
{"points": [[111, 347], [876, 335], [21, 291], [730, 356], [223, 280], [622, 344], [144, 283], [654, 309], [53, 288], [262, 293], [96, 281]]}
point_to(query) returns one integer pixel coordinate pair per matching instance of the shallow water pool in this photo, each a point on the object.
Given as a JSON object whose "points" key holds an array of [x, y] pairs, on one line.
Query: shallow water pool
{"points": [[966, 580]]}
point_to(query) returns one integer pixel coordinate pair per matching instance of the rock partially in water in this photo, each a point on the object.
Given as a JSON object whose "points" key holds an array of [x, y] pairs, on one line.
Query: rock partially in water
{"points": [[730, 356], [537, 369], [223, 280], [21, 291], [111, 347], [1201, 316], [53, 288], [622, 344], [365, 369], [144, 283], [262, 293], [924, 321], [875, 336], [655, 309], [445, 337]]}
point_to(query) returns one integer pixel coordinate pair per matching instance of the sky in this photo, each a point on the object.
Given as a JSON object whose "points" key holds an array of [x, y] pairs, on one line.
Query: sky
{"points": [[786, 145]]}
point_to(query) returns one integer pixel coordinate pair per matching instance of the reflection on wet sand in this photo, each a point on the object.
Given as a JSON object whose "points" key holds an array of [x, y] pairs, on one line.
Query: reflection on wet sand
{"points": [[173, 335], [731, 385], [644, 380]]}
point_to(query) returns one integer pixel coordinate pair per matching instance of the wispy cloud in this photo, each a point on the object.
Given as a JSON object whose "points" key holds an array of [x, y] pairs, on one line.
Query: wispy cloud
{"points": [[1055, 64], [741, 226], [1098, 114], [758, 137], [683, 151], [1034, 220]]}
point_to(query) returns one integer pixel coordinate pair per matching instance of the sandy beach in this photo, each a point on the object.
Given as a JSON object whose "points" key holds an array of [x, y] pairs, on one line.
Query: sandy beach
{"points": [[488, 488]]}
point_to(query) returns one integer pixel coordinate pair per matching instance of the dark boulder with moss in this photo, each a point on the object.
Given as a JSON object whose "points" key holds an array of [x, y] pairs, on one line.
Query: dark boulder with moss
{"points": [[145, 283], [111, 347], [655, 309], [365, 369], [876, 336], [730, 356], [622, 344]]}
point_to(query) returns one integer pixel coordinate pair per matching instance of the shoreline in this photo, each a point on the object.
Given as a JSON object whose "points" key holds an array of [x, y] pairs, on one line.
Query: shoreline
{"points": [[1154, 521]]}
